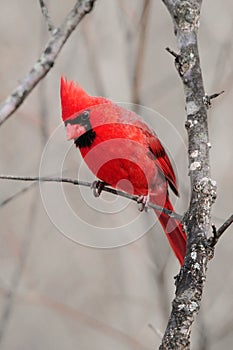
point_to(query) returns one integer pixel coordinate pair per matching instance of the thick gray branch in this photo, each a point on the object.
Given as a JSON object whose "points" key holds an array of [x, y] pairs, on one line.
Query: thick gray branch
{"points": [[47, 58], [190, 281]]}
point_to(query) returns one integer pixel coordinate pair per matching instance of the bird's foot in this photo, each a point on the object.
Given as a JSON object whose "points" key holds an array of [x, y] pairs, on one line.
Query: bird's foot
{"points": [[143, 202], [97, 187]]}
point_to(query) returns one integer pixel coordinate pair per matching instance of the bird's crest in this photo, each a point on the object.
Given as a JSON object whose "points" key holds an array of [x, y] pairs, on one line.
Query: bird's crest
{"points": [[75, 99]]}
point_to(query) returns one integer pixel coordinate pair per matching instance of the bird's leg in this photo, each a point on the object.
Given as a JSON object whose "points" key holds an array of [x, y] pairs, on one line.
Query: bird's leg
{"points": [[143, 202], [97, 187]]}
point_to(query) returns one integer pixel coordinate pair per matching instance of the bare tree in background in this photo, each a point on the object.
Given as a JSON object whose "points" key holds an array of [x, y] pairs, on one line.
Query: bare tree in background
{"points": [[200, 249]]}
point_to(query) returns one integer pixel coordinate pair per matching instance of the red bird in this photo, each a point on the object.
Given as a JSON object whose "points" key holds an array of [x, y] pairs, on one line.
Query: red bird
{"points": [[123, 152]]}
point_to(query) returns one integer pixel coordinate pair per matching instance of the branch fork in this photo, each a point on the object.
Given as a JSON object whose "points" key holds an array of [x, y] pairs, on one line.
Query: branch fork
{"points": [[48, 57], [182, 64], [207, 98]]}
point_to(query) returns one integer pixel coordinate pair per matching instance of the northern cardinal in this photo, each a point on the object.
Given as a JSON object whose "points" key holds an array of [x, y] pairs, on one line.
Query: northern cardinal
{"points": [[123, 152]]}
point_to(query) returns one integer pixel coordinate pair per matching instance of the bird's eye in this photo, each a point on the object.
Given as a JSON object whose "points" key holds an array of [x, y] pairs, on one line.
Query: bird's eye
{"points": [[85, 115]]}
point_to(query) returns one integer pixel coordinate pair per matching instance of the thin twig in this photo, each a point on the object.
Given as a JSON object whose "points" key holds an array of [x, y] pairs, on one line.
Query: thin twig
{"points": [[45, 12], [46, 60], [224, 226], [94, 68], [155, 330], [207, 98], [9, 303], [173, 53], [17, 194], [218, 233], [42, 97], [137, 74], [89, 184]]}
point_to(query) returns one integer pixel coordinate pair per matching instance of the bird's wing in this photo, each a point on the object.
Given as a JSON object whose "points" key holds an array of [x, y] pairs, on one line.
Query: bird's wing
{"points": [[163, 162]]}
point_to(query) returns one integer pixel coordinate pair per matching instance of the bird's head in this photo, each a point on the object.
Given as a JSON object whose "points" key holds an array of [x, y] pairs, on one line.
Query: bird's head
{"points": [[76, 107]]}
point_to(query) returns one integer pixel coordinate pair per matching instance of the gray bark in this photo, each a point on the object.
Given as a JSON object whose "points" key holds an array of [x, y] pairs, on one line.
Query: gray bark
{"points": [[191, 279]]}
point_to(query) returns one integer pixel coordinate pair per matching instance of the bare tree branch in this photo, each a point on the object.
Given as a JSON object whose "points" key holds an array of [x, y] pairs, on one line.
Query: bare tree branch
{"points": [[9, 303], [42, 93], [224, 226], [95, 71], [218, 233], [89, 184], [137, 74], [33, 297], [47, 58], [191, 279], [16, 195], [46, 15]]}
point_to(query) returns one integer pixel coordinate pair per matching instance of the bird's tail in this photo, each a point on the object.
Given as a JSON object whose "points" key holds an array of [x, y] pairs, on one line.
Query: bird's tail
{"points": [[174, 232]]}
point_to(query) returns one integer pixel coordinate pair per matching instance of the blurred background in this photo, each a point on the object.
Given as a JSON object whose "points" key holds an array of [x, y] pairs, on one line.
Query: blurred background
{"points": [[54, 292]]}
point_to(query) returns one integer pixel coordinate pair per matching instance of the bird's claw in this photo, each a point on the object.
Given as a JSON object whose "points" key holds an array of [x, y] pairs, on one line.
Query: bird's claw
{"points": [[143, 202], [97, 187]]}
